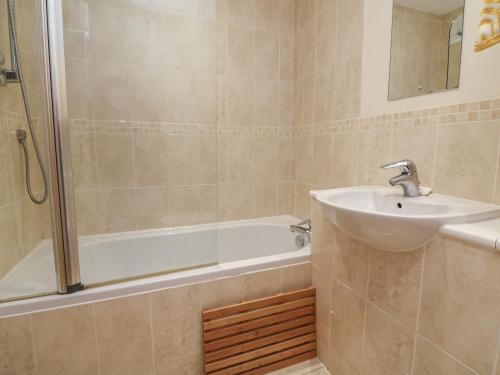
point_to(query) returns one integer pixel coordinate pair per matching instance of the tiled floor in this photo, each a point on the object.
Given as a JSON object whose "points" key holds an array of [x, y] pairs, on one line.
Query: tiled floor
{"points": [[312, 367]]}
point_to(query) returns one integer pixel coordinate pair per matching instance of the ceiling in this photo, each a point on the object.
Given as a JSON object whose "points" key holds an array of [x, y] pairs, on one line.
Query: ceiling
{"points": [[438, 7]]}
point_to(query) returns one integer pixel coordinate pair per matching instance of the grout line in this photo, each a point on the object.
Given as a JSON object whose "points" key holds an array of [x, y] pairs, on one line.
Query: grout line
{"points": [[435, 156], [497, 354], [96, 341], [150, 308], [493, 193], [421, 288], [30, 322]]}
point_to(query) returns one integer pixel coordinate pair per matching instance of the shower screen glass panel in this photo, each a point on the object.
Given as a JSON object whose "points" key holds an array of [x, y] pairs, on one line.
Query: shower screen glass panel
{"points": [[426, 47], [141, 82], [26, 249]]}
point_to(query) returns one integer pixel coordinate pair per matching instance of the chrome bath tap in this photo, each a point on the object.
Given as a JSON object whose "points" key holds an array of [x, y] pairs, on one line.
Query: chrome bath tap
{"points": [[408, 179]]}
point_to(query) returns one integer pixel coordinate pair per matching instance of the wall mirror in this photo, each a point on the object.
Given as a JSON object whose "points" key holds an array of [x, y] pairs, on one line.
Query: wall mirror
{"points": [[426, 48]]}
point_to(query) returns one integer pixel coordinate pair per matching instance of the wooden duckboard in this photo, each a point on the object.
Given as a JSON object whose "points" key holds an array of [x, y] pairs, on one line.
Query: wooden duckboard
{"points": [[260, 336]]}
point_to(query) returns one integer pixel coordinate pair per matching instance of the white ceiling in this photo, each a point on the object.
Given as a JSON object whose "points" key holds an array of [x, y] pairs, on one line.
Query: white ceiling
{"points": [[432, 6]]}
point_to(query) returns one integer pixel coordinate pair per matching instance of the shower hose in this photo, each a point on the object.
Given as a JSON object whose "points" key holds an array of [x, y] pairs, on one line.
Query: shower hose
{"points": [[21, 134]]}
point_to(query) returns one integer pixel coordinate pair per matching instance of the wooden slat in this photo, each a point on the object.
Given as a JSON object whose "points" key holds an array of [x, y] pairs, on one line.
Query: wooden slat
{"points": [[261, 362], [251, 345], [255, 354], [260, 336], [257, 333], [282, 364], [254, 314], [254, 324], [256, 304]]}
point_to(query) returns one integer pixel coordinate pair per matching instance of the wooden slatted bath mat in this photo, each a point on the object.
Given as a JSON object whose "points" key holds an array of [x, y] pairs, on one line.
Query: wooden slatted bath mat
{"points": [[260, 336]]}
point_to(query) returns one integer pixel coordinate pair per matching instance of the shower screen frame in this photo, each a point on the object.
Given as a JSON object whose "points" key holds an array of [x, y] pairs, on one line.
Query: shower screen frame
{"points": [[63, 212]]}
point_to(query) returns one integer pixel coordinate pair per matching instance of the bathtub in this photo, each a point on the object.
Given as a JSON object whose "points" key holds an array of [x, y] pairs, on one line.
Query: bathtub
{"points": [[148, 260]]}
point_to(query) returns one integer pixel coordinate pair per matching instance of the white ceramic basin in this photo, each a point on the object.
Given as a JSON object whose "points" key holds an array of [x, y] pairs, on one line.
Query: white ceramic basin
{"points": [[384, 219]]}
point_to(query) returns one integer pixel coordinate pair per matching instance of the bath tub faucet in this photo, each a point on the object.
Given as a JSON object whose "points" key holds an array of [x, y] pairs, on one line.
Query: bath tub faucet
{"points": [[302, 227], [303, 230], [408, 179]]}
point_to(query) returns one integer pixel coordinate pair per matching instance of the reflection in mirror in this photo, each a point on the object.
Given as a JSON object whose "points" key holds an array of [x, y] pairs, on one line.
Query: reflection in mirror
{"points": [[426, 47]]}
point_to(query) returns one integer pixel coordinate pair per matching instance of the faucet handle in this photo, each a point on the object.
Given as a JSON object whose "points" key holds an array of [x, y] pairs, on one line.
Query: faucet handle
{"points": [[406, 166]]}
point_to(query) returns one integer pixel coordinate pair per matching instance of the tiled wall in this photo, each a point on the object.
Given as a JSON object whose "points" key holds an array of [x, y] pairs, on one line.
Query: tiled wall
{"points": [[181, 111], [328, 57], [23, 223], [147, 334], [431, 311]]}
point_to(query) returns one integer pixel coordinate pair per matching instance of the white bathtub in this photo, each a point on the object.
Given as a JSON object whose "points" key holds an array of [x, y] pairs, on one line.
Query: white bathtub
{"points": [[183, 255]]}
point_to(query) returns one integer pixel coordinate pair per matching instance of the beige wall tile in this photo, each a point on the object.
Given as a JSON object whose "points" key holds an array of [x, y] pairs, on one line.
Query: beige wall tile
{"points": [[83, 160], [322, 239], [183, 365], [394, 283], [302, 203], [430, 360], [75, 14], [266, 103], [77, 85], [285, 197], [176, 316], [322, 160], [116, 210], [145, 99], [297, 277], [266, 158], [458, 282], [374, 151], [267, 14], [240, 52], [107, 39], [347, 323], [221, 292], [265, 198], [16, 346], [345, 154], [350, 261], [150, 157], [285, 104], [350, 40], [87, 215], [303, 158], [286, 56], [240, 12], [348, 87], [239, 101], [124, 336], [65, 341], [239, 158], [267, 54], [417, 144], [388, 345], [323, 284], [262, 284], [285, 158], [149, 208], [108, 90], [235, 201], [114, 160], [459, 174], [182, 205]]}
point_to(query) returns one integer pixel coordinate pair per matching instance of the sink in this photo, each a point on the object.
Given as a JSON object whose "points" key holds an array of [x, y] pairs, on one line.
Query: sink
{"points": [[383, 218]]}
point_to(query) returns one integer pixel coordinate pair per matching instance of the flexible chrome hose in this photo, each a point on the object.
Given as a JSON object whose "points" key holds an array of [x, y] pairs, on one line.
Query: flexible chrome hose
{"points": [[20, 137]]}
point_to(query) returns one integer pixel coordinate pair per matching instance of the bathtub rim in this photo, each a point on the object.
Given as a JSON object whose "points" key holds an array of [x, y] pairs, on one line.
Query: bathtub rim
{"points": [[153, 283]]}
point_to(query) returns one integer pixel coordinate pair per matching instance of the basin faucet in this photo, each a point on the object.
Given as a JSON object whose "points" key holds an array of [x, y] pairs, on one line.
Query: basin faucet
{"points": [[408, 179]]}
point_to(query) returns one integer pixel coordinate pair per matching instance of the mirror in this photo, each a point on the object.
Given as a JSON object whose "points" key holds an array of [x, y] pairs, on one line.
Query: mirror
{"points": [[426, 48]]}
